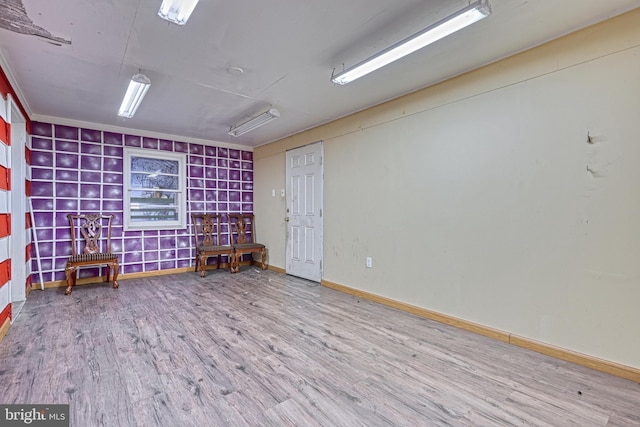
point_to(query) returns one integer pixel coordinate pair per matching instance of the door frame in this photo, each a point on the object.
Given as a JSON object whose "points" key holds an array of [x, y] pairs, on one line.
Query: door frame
{"points": [[18, 200]]}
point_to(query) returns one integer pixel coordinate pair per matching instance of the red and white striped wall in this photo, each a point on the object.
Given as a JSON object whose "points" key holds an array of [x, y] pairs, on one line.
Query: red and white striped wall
{"points": [[15, 189], [5, 217]]}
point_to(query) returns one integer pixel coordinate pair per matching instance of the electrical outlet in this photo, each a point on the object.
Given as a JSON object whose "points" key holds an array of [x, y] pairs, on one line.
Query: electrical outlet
{"points": [[369, 262]]}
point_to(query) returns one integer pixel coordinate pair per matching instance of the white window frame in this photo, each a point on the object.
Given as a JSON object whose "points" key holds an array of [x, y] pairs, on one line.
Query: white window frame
{"points": [[180, 193]]}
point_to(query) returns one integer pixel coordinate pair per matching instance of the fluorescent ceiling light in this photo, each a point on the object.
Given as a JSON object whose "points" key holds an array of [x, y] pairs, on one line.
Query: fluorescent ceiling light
{"points": [[449, 25], [256, 122], [177, 11], [138, 87]]}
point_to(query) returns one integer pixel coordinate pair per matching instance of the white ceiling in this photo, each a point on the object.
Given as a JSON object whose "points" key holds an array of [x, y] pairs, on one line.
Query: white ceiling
{"points": [[287, 50]]}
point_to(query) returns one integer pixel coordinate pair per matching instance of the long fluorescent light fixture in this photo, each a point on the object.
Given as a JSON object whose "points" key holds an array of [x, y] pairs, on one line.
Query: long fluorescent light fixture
{"points": [[177, 11], [449, 25], [256, 122], [138, 87]]}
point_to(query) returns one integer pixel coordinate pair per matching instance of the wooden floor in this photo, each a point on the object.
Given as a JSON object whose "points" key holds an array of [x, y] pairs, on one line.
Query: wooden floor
{"points": [[262, 349]]}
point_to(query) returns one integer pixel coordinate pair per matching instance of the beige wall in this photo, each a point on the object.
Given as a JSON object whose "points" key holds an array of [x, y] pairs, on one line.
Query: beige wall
{"points": [[480, 198]]}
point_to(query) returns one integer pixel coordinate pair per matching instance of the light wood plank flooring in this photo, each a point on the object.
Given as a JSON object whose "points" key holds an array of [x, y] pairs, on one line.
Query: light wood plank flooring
{"points": [[260, 348]]}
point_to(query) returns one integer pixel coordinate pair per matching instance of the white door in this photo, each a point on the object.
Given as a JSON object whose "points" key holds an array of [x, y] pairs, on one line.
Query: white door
{"points": [[304, 211]]}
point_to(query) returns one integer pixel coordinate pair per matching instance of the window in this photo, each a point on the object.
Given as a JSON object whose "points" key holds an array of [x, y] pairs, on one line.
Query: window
{"points": [[154, 190]]}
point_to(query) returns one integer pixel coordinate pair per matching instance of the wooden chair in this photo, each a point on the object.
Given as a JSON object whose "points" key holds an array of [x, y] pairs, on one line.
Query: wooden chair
{"points": [[244, 242], [89, 248], [206, 229]]}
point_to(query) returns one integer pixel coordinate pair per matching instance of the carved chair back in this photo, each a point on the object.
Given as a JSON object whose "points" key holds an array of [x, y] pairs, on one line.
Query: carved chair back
{"points": [[243, 226], [206, 229], [88, 234]]}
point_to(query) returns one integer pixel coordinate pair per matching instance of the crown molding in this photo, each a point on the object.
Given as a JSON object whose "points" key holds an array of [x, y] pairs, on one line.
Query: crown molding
{"points": [[8, 72]]}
